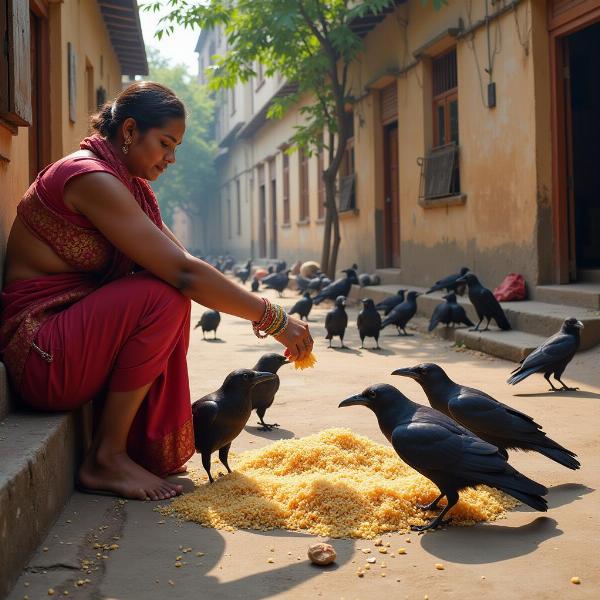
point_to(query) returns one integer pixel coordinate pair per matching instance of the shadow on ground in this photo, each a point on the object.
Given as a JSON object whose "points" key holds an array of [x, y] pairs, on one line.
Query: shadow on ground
{"points": [[489, 543]]}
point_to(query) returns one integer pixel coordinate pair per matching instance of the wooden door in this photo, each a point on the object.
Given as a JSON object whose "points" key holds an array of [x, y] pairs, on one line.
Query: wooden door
{"points": [[392, 198]]}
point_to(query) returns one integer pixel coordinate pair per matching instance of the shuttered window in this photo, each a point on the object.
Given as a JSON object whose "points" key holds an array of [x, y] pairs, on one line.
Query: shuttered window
{"points": [[389, 104], [303, 158]]}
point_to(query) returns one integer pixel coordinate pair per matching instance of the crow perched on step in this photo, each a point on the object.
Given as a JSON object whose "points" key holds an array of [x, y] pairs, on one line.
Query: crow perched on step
{"points": [[401, 314], [209, 321], [449, 313], [263, 393], [552, 357], [303, 307], [443, 451], [485, 304], [366, 279], [388, 303], [340, 287], [496, 423], [450, 283], [220, 416], [336, 321], [368, 322]]}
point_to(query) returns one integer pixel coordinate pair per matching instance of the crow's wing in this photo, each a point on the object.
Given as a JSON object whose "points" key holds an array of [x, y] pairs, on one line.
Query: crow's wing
{"points": [[428, 447], [440, 312], [205, 412], [487, 417], [560, 346]]}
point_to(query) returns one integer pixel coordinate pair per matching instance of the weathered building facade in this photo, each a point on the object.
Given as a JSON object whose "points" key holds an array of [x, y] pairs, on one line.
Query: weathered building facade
{"points": [[473, 130]]}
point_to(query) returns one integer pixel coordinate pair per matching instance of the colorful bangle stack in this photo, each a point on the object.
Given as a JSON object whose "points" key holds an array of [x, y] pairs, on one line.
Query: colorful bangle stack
{"points": [[274, 321]]}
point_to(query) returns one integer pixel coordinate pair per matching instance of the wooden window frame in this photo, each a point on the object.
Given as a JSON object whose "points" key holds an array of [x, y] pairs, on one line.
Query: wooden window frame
{"points": [[304, 190], [286, 189], [321, 197]]}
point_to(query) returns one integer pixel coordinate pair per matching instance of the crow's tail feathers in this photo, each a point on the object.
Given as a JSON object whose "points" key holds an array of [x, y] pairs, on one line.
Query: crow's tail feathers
{"points": [[502, 321], [520, 375], [561, 455]]}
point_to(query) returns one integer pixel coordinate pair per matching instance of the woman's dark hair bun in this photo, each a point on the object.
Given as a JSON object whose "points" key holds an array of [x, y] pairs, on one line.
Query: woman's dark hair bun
{"points": [[149, 103]]}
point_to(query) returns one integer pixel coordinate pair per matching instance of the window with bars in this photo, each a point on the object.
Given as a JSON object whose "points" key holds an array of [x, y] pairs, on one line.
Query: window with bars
{"points": [[321, 196], [286, 188], [441, 167], [303, 179], [347, 175]]}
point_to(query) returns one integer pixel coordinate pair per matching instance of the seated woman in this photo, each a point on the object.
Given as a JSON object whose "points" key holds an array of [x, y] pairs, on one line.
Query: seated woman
{"points": [[96, 298]]}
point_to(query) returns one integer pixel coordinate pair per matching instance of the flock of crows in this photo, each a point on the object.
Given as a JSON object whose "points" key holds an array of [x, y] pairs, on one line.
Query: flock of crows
{"points": [[461, 440]]}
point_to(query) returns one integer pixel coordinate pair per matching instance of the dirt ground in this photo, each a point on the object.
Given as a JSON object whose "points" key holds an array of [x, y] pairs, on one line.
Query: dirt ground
{"points": [[527, 555]]}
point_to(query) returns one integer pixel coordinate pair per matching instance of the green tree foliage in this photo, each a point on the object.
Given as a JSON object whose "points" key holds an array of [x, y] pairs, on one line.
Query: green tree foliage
{"points": [[191, 182]]}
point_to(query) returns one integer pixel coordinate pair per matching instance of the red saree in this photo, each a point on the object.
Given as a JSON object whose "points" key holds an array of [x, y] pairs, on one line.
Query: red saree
{"points": [[69, 338]]}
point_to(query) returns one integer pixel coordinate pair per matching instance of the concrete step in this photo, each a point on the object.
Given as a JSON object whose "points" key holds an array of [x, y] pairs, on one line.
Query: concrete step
{"points": [[532, 321], [389, 276], [584, 295], [4, 393], [38, 457]]}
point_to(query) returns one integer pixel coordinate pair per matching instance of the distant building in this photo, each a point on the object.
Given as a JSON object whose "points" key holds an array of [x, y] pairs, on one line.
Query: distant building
{"points": [[475, 131]]}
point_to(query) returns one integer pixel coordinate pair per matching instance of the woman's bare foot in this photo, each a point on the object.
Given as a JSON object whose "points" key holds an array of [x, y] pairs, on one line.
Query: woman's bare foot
{"points": [[116, 472]]}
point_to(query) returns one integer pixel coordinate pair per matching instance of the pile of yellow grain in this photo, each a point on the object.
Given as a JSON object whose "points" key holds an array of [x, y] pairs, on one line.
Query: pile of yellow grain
{"points": [[334, 483]]}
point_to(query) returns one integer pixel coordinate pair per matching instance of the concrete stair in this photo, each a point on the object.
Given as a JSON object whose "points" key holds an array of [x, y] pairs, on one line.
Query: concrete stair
{"points": [[38, 457], [585, 295], [532, 321]]}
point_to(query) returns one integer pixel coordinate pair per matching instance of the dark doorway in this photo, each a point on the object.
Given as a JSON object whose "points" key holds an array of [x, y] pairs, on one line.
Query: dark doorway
{"points": [[262, 222], [391, 213], [273, 218], [582, 101]]}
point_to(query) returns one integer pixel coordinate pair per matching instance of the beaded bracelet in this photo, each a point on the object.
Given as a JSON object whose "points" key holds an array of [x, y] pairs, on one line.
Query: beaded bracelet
{"points": [[273, 322]]}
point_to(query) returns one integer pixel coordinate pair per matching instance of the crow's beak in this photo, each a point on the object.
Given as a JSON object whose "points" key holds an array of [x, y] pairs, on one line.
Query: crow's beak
{"points": [[358, 400], [579, 324], [405, 373], [286, 362], [261, 376]]}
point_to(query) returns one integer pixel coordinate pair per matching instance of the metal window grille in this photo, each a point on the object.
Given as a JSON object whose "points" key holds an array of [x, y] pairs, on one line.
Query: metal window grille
{"points": [[347, 193], [444, 73], [439, 172]]}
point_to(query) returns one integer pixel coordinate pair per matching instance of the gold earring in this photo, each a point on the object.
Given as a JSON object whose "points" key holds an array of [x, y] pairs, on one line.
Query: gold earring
{"points": [[125, 146]]}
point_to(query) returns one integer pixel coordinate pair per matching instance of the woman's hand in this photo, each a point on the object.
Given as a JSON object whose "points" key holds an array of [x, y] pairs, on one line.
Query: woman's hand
{"points": [[297, 339]]}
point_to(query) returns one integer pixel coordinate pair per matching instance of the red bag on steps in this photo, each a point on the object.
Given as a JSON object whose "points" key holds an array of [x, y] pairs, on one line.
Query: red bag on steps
{"points": [[512, 288]]}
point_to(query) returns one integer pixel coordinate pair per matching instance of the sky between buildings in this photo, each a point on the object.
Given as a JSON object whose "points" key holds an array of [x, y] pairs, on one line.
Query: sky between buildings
{"points": [[178, 47]]}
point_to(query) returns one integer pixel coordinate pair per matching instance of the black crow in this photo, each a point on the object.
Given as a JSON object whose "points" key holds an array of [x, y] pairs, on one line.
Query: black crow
{"points": [[365, 279], [336, 321], [254, 285], [485, 304], [449, 283], [388, 303], [316, 284], [280, 266], [303, 307], [302, 283], [443, 451], [209, 321], [277, 281], [219, 417], [496, 423], [263, 393], [552, 356], [244, 273], [449, 313], [340, 287], [402, 313], [368, 322]]}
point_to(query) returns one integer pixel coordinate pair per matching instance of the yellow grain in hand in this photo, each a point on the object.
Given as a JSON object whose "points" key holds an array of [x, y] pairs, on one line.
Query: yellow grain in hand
{"points": [[306, 363]]}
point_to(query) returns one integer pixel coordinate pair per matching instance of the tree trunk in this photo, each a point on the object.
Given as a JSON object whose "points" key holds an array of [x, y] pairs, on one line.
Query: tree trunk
{"points": [[332, 225]]}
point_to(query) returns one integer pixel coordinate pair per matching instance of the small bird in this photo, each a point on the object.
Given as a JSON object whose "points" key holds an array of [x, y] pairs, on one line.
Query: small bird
{"points": [[277, 281], [263, 393], [336, 321], [220, 416], [244, 273], [402, 313], [340, 287], [449, 313], [388, 303], [209, 321], [254, 285], [485, 304], [368, 322], [316, 284], [366, 279], [303, 307], [443, 451], [228, 263], [449, 283], [280, 266], [552, 357], [302, 283], [496, 423]]}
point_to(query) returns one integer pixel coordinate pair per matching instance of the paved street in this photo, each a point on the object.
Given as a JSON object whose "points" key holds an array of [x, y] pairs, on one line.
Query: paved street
{"points": [[528, 555]]}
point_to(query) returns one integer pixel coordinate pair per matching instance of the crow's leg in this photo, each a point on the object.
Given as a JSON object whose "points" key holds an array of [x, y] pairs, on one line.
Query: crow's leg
{"points": [[476, 328], [261, 414], [223, 453], [398, 329], [406, 334], [487, 325], [206, 465], [330, 341], [377, 344], [431, 505], [564, 387], [203, 336], [452, 498], [547, 378], [342, 342], [215, 335], [362, 342]]}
